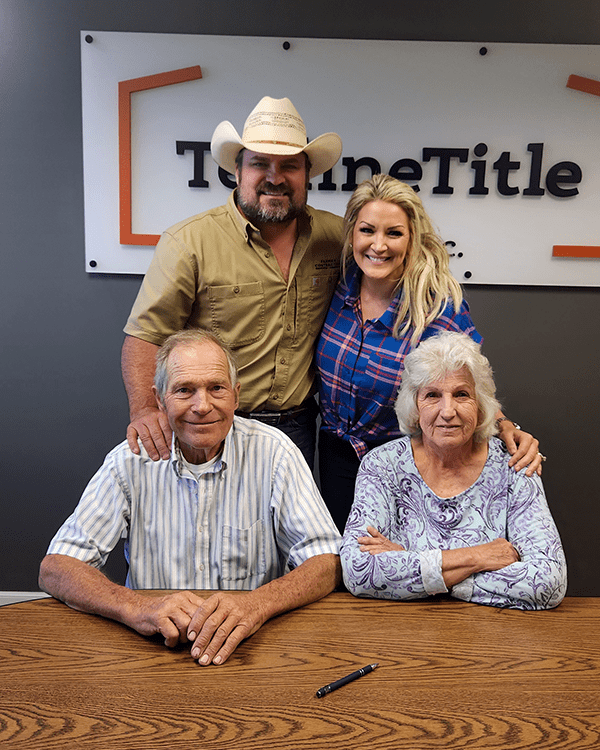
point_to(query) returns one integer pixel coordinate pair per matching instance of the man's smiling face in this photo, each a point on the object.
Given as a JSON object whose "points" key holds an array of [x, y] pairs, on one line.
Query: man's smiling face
{"points": [[200, 399], [272, 189]]}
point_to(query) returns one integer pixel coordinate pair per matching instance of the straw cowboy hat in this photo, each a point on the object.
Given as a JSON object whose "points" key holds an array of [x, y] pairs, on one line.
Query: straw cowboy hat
{"points": [[274, 127]]}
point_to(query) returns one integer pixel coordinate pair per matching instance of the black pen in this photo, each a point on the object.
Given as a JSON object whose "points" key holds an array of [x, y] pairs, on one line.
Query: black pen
{"points": [[345, 680]]}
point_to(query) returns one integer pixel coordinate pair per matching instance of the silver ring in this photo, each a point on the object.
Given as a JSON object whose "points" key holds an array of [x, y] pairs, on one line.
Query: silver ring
{"points": [[541, 455]]}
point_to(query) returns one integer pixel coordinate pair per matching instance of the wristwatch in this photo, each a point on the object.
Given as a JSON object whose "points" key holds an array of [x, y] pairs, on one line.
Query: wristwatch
{"points": [[506, 419]]}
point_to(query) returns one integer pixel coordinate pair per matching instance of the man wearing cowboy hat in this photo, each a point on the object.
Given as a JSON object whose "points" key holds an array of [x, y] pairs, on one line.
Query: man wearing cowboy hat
{"points": [[258, 272]]}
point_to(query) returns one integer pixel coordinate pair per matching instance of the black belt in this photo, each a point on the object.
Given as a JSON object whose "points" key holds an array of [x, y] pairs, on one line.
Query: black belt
{"points": [[275, 418]]}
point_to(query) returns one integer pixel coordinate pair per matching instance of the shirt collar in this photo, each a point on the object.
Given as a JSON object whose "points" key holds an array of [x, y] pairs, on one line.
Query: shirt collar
{"points": [[245, 226], [353, 275], [178, 464]]}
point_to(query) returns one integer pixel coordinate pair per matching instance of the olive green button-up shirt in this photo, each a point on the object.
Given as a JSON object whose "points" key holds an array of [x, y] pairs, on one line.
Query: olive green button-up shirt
{"points": [[215, 271]]}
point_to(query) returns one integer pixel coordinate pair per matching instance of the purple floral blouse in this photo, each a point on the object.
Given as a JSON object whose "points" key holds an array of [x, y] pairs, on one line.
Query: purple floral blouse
{"points": [[391, 496]]}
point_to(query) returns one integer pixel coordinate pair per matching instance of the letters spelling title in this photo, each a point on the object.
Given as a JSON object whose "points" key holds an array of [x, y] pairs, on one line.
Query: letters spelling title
{"points": [[556, 178]]}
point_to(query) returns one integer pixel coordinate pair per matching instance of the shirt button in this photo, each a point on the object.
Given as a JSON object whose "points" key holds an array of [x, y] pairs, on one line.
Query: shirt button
{"points": [[275, 397], [236, 289], [282, 361], [200, 567], [289, 328]]}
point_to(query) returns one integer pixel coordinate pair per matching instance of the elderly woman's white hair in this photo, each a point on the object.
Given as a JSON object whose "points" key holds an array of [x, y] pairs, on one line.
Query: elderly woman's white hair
{"points": [[436, 358]]}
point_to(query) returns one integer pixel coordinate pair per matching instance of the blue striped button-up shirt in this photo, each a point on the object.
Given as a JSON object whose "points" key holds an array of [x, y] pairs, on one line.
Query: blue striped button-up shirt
{"points": [[360, 365], [250, 516]]}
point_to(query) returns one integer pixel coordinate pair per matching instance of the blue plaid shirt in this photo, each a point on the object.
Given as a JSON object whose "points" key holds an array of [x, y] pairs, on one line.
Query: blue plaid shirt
{"points": [[360, 366]]}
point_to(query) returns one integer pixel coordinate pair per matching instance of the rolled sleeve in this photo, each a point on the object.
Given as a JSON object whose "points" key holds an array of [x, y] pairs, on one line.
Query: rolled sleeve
{"points": [[463, 590], [303, 522], [431, 571], [98, 522]]}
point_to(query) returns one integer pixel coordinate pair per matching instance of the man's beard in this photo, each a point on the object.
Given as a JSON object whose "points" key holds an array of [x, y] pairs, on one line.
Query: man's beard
{"points": [[276, 212]]}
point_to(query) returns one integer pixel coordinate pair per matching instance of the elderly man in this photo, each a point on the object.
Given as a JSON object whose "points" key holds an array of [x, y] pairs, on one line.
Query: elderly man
{"points": [[235, 507], [258, 272]]}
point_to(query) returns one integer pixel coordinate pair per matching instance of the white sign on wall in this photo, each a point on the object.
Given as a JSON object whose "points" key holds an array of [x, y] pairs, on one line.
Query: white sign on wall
{"points": [[502, 140]]}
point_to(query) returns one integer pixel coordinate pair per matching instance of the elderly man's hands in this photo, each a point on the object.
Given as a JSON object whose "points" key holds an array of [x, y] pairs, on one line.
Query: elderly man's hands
{"points": [[222, 622], [169, 615], [216, 625]]}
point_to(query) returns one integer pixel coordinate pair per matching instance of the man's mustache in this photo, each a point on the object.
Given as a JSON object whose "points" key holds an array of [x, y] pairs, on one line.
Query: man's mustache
{"points": [[274, 189]]}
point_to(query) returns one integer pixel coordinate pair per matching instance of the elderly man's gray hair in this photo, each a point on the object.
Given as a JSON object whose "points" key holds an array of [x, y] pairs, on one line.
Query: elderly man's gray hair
{"points": [[188, 337], [436, 358]]}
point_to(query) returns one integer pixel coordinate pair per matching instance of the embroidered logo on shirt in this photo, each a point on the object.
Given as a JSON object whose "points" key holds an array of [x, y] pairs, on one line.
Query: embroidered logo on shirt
{"points": [[327, 264]]}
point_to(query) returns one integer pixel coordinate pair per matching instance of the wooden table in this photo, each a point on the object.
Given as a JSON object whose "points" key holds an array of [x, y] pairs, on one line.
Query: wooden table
{"points": [[451, 675]]}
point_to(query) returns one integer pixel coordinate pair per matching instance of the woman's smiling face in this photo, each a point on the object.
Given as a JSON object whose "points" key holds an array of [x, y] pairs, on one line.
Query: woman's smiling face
{"points": [[449, 411], [381, 240]]}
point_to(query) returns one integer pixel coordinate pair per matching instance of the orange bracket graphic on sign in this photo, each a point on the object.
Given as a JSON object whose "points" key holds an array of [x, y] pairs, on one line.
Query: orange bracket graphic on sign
{"points": [[587, 86], [126, 88]]}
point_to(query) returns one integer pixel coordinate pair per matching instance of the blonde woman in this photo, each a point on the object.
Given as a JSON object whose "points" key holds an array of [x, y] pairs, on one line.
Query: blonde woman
{"points": [[396, 290]]}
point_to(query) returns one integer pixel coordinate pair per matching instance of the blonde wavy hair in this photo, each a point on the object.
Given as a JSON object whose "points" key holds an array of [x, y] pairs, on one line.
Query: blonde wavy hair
{"points": [[427, 284]]}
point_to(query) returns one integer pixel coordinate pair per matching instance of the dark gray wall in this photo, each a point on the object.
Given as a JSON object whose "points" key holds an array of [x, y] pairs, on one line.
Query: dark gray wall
{"points": [[63, 404]]}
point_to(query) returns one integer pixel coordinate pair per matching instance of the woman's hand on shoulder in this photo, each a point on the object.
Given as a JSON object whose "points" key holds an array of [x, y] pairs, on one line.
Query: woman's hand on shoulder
{"points": [[376, 543], [524, 449]]}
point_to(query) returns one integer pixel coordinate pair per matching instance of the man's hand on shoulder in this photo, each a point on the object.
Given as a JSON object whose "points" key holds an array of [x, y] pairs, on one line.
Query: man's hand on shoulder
{"points": [[148, 423], [222, 622], [151, 426]]}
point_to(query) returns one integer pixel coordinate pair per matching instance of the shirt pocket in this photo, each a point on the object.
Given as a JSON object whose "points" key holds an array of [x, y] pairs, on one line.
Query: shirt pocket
{"points": [[315, 301], [243, 552], [237, 313]]}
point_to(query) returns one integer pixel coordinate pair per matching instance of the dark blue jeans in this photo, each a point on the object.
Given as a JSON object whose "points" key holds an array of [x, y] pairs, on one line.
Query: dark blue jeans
{"points": [[303, 431], [338, 467]]}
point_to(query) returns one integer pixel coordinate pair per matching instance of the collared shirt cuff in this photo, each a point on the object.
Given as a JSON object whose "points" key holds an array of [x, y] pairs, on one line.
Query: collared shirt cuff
{"points": [[431, 572], [463, 590]]}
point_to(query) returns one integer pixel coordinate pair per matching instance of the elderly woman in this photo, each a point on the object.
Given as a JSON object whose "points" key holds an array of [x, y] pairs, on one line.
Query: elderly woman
{"points": [[441, 511], [396, 290]]}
